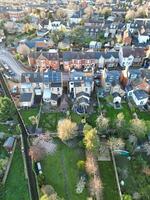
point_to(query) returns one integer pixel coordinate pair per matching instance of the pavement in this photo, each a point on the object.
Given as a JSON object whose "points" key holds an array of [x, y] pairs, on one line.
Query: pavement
{"points": [[7, 58]]}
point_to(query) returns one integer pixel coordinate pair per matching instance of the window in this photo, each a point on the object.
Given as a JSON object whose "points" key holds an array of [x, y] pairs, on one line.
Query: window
{"points": [[57, 89]]}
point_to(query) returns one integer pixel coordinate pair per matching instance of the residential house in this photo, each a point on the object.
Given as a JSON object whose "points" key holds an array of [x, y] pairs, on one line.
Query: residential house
{"points": [[44, 60], [81, 86], [25, 47], [47, 86], [45, 24], [140, 97], [143, 38], [116, 99], [129, 90], [79, 60], [42, 32], [95, 45], [26, 99], [16, 14], [129, 56], [109, 78], [76, 18]]}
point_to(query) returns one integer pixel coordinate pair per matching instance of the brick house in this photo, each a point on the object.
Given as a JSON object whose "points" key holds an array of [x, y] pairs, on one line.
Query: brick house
{"points": [[79, 60], [44, 60]]}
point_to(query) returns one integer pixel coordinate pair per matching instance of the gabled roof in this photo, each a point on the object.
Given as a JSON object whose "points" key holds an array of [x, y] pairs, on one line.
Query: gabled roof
{"points": [[140, 94], [81, 94], [67, 56], [47, 55], [134, 51]]}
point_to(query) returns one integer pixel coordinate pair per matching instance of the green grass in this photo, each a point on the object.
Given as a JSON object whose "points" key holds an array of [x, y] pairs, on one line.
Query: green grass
{"points": [[131, 172], [49, 121], [16, 185], [61, 171], [28, 113], [75, 117], [107, 173]]}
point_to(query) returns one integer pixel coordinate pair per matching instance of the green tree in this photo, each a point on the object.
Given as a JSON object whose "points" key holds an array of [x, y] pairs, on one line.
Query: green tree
{"points": [[121, 125], [90, 138], [57, 36], [33, 119], [7, 109], [81, 164], [138, 127], [127, 197]]}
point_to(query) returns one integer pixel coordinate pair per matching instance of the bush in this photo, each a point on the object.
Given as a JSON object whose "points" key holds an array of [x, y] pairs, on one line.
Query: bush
{"points": [[41, 180], [81, 165]]}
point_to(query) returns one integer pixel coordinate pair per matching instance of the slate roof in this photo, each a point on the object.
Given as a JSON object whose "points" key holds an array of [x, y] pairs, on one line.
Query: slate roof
{"points": [[113, 76], [25, 97], [83, 100], [135, 51], [47, 55], [140, 94], [32, 43], [55, 84], [67, 56], [115, 94], [129, 88], [80, 94]]}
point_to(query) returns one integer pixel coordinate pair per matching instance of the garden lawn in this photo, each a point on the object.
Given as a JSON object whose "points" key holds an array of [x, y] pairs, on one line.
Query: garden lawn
{"points": [[131, 172], [107, 174], [16, 187], [28, 113], [49, 121], [61, 171]]}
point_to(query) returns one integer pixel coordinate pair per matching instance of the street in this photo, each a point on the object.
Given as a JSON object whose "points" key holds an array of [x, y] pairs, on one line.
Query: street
{"points": [[7, 58]]}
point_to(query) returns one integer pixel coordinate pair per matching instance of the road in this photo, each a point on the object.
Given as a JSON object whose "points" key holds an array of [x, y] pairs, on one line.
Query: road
{"points": [[31, 176], [7, 57]]}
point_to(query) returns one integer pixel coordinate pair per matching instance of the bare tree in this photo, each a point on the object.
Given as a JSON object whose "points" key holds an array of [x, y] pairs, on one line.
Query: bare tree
{"points": [[88, 11], [90, 165], [47, 189], [130, 15], [37, 153], [102, 124], [61, 14], [141, 11], [66, 129], [115, 143]]}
